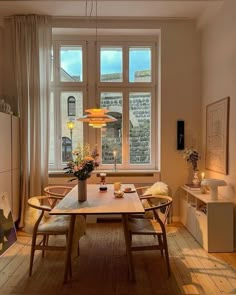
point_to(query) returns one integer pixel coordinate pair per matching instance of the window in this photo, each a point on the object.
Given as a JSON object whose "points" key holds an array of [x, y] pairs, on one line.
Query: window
{"points": [[118, 76], [71, 104]]}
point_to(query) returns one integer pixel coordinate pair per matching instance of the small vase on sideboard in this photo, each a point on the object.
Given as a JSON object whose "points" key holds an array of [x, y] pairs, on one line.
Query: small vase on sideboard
{"points": [[195, 180]]}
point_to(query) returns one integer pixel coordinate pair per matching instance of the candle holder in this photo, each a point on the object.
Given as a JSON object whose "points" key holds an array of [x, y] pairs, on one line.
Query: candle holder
{"points": [[114, 164], [103, 185], [115, 160]]}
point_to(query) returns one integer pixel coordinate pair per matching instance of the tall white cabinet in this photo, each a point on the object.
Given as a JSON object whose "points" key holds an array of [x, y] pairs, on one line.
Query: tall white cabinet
{"points": [[10, 161], [209, 221]]}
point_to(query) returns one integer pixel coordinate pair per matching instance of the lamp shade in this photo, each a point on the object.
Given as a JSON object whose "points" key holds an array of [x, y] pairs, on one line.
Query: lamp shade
{"points": [[70, 125], [97, 118], [213, 185]]}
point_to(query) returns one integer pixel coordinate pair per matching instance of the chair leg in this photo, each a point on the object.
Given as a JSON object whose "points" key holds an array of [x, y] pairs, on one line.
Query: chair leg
{"points": [[166, 254], [160, 244], [85, 216], [32, 253], [70, 269], [45, 238]]}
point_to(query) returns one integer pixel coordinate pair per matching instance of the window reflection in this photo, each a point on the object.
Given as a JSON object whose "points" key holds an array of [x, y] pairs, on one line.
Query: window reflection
{"points": [[66, 149]]}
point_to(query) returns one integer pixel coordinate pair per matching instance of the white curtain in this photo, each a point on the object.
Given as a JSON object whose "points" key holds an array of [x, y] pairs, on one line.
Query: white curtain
{"points": [[32, 50]]}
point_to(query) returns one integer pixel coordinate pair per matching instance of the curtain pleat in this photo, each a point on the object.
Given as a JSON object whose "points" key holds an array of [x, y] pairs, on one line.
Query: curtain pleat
{"points": [[32, 47]]}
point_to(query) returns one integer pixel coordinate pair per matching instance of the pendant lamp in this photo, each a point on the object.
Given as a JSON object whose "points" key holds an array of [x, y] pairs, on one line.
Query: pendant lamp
{"points": [[96, 117]]}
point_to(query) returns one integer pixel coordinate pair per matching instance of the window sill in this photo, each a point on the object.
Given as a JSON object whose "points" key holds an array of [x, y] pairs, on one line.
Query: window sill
{"points": [[110, 173]]}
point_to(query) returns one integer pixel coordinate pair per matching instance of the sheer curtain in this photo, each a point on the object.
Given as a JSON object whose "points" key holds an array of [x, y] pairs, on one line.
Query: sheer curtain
{"points": [[32, 50]]}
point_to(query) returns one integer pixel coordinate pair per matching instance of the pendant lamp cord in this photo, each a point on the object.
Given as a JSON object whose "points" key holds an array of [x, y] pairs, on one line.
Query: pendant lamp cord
{"points": [[96, 49]]}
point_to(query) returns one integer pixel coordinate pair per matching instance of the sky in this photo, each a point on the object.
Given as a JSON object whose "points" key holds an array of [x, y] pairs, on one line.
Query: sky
{"points": [[111, 61]]}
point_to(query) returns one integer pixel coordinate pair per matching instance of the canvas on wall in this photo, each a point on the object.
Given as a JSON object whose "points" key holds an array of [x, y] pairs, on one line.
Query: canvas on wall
{"points": [[217, 125], [7, 227]]}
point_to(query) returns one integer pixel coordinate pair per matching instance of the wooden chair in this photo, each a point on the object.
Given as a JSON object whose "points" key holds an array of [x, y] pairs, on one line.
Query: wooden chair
{"points": [[46, 225], [59, 191], [160, 206], [146, 191]]}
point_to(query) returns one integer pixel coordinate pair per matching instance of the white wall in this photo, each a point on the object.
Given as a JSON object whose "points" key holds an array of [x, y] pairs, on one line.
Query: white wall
{"points": [[219, 77], [180, 99], [1, 57]]}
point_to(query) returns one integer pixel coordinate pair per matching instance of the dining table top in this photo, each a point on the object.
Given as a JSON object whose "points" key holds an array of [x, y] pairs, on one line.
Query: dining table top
{"points": [[99, 202]]}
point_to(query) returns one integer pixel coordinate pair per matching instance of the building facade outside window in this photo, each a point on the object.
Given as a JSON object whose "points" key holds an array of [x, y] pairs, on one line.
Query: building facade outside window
{"points": [[118, 76]]}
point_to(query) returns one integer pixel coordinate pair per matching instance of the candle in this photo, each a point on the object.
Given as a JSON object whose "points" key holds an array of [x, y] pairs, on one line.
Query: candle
{"points": [[114, 154], [117, 186], [203, 175]]}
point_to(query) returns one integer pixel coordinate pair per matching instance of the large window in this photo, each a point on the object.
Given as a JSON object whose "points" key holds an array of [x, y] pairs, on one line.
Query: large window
{"points": [[118, 76]]}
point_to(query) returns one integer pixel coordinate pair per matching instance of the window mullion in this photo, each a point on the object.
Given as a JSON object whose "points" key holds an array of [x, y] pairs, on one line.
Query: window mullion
{"points": [[57, 126], [125, 116], [125, 125]]}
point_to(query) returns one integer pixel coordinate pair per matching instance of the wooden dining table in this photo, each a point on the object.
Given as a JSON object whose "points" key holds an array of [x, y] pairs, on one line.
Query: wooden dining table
{"points": [[99, 202]]}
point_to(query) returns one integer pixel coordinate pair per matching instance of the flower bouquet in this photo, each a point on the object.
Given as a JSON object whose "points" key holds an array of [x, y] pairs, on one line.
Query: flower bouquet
{"points": [[84, 162]]}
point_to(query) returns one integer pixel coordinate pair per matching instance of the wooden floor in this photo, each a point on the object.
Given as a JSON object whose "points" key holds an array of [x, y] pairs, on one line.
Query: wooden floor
{"points": [[102, 267]]}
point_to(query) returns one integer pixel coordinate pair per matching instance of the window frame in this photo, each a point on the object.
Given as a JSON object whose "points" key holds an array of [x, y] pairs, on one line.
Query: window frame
{"points": [[57, 87], [130, 87], [92, 87]]}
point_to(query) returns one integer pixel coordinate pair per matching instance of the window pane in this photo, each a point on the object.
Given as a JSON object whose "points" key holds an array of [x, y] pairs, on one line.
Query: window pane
{"points": [[51, 131], [71, 64], [112, 133], [140, 127], [70, 137], [140, 64], [111, 64]]}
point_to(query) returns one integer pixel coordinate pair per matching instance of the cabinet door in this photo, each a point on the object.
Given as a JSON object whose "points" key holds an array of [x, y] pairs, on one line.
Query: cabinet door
{"points": [[15, 143], [221, 227], [15, 194], [5, 143], [5, 185], [201, 229], [183, 208], [191, 220]]}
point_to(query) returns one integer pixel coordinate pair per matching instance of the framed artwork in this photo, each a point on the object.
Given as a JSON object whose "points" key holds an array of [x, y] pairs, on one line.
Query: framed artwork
{"points": [[217, 125], [7, 227]]}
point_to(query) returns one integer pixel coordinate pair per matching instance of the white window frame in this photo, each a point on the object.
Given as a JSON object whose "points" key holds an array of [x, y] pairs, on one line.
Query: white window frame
{"points": [[92, 87], [131, 87], [57, 87]]}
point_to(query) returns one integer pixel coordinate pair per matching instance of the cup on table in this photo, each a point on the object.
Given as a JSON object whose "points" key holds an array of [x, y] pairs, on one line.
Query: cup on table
{"points": [[117, 186]]}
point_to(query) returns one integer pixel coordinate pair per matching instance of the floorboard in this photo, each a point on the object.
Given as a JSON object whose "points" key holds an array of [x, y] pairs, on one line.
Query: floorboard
{"points": [[101, 267]]}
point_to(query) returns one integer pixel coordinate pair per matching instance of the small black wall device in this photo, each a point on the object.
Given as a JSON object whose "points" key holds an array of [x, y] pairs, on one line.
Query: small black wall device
{"points": [[180, 135]]}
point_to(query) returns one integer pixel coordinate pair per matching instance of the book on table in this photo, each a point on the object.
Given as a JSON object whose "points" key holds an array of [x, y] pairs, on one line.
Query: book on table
{"points": [[193, 187]]}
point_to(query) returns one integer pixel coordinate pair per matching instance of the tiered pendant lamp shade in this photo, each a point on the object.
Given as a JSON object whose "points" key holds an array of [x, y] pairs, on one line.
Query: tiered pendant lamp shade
{"points": [[97, 118]]}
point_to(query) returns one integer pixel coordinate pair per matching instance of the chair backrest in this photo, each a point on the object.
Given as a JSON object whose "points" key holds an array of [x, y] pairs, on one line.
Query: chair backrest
{"points": [[159, 205], [158, 188], [41, 206], [57, 190], [141, 189], [41, 202]]}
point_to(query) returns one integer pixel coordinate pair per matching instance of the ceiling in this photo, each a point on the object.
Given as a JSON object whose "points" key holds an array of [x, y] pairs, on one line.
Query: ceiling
{"points": [[113, 8]]}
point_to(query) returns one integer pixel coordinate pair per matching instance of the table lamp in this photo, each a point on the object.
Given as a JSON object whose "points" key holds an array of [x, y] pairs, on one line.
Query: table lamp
{"points": [[213, 185]]}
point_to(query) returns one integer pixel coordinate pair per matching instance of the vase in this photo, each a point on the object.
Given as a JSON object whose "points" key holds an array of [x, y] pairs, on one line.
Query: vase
{"points": [[82, 190], [195, 180]]}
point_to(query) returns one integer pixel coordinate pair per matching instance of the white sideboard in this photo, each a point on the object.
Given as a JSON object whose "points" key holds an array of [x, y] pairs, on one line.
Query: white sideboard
{"points": [[209, 221], [10, 161]]}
